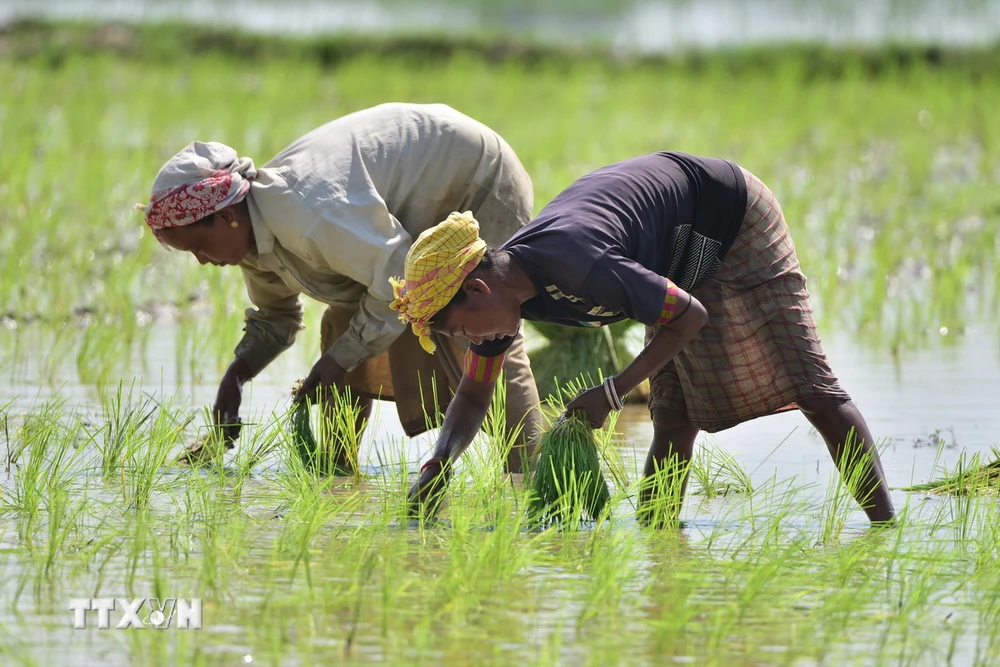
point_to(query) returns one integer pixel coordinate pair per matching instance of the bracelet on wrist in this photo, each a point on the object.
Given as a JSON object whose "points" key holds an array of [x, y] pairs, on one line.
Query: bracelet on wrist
{"points": [[611, 393]]}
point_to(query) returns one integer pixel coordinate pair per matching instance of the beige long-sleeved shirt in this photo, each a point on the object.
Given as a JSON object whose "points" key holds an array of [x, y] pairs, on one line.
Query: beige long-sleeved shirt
{"points": [[335, 212]]}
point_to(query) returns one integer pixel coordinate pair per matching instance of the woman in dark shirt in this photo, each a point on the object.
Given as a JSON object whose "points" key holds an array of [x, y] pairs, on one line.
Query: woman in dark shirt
{"points": [[696, 249]]}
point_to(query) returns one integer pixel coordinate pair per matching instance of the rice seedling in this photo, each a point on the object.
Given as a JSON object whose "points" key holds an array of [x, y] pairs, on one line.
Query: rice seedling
{"points": [[259, 445], [44, 458], [662, 493], [305, 442], [335, 452], [717, 473], [121, 425], [482, 475], [856, 486], [393, 483], [971, 475]]}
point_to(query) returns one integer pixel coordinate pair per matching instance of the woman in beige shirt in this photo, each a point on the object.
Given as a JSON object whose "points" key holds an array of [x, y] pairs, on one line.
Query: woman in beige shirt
{"points": [[332, 216]]}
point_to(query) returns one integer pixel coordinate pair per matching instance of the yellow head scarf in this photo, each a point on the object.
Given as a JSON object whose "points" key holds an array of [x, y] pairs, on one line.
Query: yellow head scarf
{"points": [[437, 263]]}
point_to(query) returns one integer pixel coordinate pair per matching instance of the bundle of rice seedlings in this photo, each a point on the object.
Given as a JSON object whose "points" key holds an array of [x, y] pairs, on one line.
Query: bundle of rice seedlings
{"points": [[316, 459], [567, 479], [968, 478], [302, 434]]}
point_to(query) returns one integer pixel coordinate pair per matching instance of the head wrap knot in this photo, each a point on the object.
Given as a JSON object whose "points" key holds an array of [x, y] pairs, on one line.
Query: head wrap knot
{"points": [[436, 265], [203, 178]]}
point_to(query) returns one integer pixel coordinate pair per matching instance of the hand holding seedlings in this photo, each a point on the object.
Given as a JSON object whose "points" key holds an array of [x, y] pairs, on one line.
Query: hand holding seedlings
{"points": [[593, 402], [428, 491], [326, 374], [567, 476], [226, 422]]}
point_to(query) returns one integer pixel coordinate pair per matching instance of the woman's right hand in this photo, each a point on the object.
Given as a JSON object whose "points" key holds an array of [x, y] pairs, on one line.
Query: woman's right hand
{"points": [[226, 411]]}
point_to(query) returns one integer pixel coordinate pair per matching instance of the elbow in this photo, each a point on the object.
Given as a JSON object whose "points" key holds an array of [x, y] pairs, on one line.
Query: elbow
{"points": [[695, 318], [476, 395]]}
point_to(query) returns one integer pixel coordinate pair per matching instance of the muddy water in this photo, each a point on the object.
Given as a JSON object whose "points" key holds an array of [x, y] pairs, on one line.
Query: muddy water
{"points": [[945, 392], [953, 390]]}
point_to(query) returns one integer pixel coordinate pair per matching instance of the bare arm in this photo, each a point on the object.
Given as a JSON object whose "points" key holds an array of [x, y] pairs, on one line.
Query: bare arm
{"points": [[665, 344], [226, 409], [462, 420], [464, 416], [272, 322], [271, 326]]}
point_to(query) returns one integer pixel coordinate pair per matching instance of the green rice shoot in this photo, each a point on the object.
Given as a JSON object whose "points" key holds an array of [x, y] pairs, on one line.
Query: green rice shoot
{"points": [[970, 476], [302, 435], [339, 433], [567, 479]]}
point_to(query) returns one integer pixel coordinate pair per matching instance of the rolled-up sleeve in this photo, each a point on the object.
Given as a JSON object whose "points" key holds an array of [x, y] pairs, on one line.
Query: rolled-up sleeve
{"points": [[371, 331], [620, 284], [365, 243], [272, 322]]}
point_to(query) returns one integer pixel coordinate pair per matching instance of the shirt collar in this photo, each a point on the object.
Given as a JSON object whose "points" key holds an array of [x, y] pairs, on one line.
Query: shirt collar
{"points": [[263, 238]]}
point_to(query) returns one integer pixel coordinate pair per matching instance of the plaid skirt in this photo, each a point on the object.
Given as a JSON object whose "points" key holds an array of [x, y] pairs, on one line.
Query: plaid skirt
{"points": [[759, 352]]}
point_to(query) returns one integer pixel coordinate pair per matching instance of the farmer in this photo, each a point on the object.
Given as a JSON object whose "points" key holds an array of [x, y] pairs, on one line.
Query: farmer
{"points": [[696, 249], [332, 216]]}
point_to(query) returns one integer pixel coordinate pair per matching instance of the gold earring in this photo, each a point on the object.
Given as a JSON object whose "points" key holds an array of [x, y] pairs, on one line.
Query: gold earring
{"points": [[234, 224]]}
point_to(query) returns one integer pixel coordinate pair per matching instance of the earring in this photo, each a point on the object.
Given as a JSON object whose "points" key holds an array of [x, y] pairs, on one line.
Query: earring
{"points": [[234, 224]]}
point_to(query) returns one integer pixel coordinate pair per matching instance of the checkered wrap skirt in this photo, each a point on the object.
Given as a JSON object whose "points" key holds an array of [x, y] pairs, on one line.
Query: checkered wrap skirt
{"points": [[759, 352]]}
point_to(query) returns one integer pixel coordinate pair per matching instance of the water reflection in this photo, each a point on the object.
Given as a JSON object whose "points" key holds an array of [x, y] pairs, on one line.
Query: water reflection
{"points": [[650, 26], [941, 395], [929, 396]]}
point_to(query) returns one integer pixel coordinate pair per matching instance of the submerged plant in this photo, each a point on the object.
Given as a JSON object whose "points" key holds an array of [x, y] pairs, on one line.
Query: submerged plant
{"points": [[567, 476]]}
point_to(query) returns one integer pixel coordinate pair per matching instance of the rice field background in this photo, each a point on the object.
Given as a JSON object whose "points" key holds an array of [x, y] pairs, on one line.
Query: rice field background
{"points": [[887, 165]]}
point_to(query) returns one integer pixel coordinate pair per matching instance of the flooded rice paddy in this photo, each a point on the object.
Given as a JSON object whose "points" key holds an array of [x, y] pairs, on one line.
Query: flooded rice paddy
{"points": [[774, 564]]}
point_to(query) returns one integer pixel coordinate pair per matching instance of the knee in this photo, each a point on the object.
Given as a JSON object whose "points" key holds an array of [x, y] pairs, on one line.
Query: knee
{"points": [[670, 425], [823, 408]]}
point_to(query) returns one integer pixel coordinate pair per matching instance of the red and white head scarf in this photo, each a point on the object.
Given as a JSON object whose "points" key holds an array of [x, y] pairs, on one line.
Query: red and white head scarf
{"points": [[205, 177]]}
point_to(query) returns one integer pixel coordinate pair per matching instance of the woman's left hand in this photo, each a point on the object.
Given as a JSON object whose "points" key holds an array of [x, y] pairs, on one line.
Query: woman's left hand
{"points": [[594, 402], [325, 375]]}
